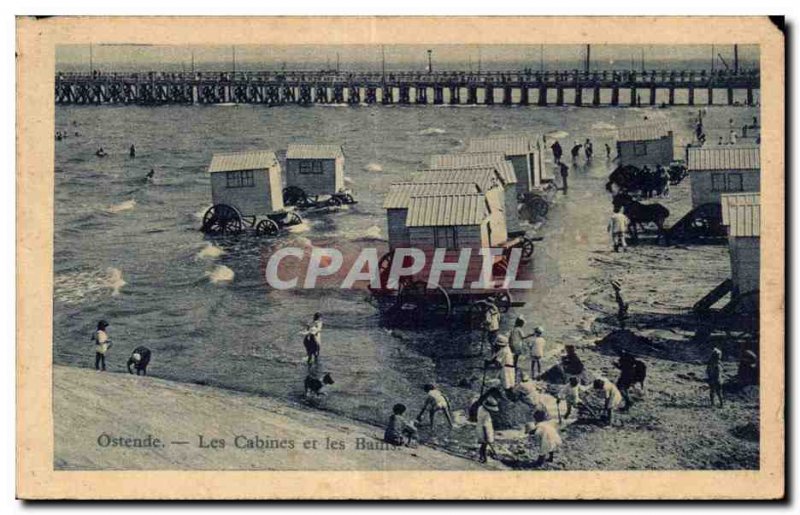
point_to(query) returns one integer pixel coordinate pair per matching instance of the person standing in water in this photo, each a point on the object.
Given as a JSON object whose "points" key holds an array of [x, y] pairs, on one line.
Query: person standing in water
{"points": [[133, 151], [557, 152], [102, 343], [564, 169], [313, 339]]}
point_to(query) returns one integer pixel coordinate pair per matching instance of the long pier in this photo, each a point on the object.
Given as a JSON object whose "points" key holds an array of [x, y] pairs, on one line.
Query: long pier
{"points": [[275, 88]]}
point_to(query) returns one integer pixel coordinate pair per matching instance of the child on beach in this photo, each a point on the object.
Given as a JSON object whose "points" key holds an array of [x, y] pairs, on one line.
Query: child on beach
{"points": [[570, 393], [611, 395], [102, 343], [543, 438], [434, 402], [714, 375], [399, 431]]}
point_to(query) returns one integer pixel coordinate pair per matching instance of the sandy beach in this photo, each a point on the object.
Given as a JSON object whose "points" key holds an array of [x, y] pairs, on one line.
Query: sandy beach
{"points": [[102, 417]]}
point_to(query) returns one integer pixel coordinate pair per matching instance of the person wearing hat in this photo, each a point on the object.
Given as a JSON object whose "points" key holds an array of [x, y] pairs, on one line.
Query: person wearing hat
{"points": [[485, 427], [102, 343], [312, 339], [714, 375], [505, 359], [537, 350], [516, 339], [491, 322], [543, 437]]}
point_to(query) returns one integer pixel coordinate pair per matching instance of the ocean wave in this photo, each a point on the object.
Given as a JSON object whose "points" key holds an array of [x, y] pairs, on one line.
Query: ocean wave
{"points": [[373, 167], [431, 131], [557, 134], [125, 205], [75, 287], [210, 251], [603, 126], [220, 274], [301, 227], [348, 180]]}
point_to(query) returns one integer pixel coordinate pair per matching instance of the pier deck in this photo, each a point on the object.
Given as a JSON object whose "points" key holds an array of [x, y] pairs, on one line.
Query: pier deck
{"points": [[275, 88]]}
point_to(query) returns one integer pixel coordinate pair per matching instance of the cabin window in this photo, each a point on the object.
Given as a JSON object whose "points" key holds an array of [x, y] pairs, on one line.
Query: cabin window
{"points": [[640, 148], [240, 179], [718, 182], [445, 238], [735, 182], [310, 166]]}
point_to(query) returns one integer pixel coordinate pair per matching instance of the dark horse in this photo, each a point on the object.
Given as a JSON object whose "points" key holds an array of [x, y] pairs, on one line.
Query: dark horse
{"points": [[641, 214], [626, 178]]}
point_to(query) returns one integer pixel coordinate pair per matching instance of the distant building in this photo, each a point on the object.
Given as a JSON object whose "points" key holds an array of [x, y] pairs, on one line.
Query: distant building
{"points": [[316, 169], [741, 212], [504, 169], [723, 169], [523, 153], [248, 181], [650, 144]]}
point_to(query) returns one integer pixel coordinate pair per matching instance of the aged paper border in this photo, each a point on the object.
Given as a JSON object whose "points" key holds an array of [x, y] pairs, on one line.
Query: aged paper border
{"points": [[36, 41]]}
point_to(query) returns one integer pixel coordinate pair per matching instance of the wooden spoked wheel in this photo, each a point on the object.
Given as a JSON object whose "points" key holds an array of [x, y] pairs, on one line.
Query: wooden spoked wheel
{"points": [[266, 227], [294, 196], [222, 219]]}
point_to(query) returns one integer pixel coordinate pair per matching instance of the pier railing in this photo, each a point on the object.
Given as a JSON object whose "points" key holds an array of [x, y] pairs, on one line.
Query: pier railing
{"points": [[330, 86]]}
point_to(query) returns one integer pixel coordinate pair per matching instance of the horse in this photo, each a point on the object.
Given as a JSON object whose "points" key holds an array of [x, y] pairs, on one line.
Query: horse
{"points": [[625, 177], [641, 214]]}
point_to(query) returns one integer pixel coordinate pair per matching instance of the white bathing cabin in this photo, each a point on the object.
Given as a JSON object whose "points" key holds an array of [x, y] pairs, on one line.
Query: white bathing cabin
{"points": [[504, 170], [316, 169], [522, 151], [741, 213], [444, 215], [247, 181], [716, 170], [649, 144]]}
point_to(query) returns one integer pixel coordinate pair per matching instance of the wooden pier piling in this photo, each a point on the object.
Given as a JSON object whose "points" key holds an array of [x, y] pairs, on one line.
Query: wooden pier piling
{"points": [[321, 87]]}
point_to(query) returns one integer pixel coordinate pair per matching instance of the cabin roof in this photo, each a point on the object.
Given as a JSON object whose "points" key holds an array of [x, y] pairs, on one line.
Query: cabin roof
{"points": [[447, 210], [741, 212], [235, 161], [399, 196], [476, 160], [309, 151], [485, 178], [723, 157], [507, 145], [646, 132]]}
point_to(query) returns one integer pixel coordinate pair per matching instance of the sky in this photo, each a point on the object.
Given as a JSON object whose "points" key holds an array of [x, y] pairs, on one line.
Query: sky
{"points": [[157, 57]]}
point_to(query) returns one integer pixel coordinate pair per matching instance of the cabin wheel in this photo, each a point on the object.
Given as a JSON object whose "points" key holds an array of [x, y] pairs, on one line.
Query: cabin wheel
{"points": [[334, 201], [294, 196], [527, 248], [266, 227], [292, 218], [348, 199], [503, 301], [222, 219]]}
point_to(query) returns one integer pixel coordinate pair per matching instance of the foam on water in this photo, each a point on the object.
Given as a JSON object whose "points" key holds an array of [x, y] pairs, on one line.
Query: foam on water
{"points": [[114, 280], [348, 180], [76, 287], [431, 131], [557, 134], [373, 167], [125, 205], [603, 126], [210, 251], [220, 274], [301, 227]]}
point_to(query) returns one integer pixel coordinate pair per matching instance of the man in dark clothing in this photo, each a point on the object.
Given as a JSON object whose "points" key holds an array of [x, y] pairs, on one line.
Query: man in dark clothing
{"points": [[557, 152], [608, 151], [575, 151], [564, 174]]}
